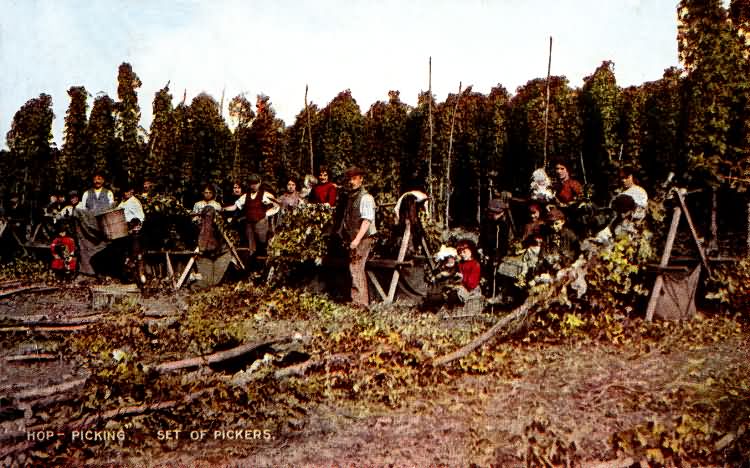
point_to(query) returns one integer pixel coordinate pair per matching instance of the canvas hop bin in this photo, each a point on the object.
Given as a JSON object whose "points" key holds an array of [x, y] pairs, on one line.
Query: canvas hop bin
{"points": [[113, 224]]}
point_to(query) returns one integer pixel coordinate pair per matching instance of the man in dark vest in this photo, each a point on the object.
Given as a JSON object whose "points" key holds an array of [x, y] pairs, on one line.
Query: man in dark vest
{"points": [[91, 241], [357, 229], [258, 205], [98, 199]]}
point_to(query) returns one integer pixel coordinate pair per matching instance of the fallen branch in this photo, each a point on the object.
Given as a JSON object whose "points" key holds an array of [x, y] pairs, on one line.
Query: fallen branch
{"points": [[30, 288], [41, 322], [16, 290], [215, 357], [31, 357], [48, 391], [46, 328], [131, 410], [301, 368], [519, 312], [10, 284]]}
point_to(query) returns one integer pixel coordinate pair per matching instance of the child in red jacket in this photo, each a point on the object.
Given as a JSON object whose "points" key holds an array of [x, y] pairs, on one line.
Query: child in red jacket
{"points": [[470, 272], [63, 254]]}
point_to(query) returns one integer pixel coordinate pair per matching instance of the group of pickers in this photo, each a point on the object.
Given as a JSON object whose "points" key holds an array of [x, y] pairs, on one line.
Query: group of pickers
{"points": [[79, 239], [549, 240], [505, 255]]}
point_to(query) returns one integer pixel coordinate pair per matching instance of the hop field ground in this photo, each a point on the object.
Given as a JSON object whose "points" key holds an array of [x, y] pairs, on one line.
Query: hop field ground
{"points": [[327, 384]]}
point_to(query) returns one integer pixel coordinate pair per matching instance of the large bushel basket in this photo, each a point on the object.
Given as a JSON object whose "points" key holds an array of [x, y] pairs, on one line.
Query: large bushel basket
{"points": [[113, 224]]}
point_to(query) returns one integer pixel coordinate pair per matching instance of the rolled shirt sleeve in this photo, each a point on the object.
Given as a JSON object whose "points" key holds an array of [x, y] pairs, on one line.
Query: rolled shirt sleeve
{"points": [[133, 209], [367, 211], [269, 199], [240, 201]]}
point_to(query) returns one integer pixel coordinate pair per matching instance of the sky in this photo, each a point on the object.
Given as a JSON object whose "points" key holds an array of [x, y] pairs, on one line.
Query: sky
{"points": [[278, 47]]}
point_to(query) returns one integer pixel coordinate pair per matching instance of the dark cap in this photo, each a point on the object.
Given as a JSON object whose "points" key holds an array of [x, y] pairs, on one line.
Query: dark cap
{"points": [[354, 171], [555, 214], [253, 179], [497, 206], [623, 204], [73, 193]]}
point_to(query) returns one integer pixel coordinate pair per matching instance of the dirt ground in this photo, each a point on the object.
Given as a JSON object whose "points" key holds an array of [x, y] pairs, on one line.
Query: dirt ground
{"points": [[561, 400], [483, 421]]}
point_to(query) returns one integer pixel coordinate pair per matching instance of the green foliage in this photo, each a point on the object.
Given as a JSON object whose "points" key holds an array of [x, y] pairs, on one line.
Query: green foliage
{"points": [[716, 91], [729, 285], [26, 270], [615, 278], [264, 143], [73, 168], [710, 429], [127, 125], [385, 129], [301, 239], [297, 154], [242, 114], [339, 135], [526, 129], [662, 118], [101, 136], [162, 146], [209, 141], [29, 143], [600, 100]]}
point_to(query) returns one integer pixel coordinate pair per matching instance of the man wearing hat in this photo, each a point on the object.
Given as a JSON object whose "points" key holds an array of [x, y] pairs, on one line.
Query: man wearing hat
{"points": [[259, 205], [357, 229], [67, 212], [561, 246], [496, 232], [97, 199], [495, 237]]}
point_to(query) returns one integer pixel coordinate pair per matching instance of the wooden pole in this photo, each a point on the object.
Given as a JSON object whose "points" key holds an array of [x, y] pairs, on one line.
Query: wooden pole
{"points": [[448, 188], [656, 292], [401, 254], [713, 246], [186, 271], [170, 269], [221, 103], [309, 134], [693, 232], [546, 105], [429, 160]]}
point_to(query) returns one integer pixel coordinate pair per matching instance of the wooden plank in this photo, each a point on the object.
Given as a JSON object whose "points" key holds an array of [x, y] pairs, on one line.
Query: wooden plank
{"points": [[655, 267], [428, 254], [170, 269], [378, 288], [401, 255], [215, 357], [656, 291], [694, 233], [186, 271], [233, 250], [718, 259], [23, 247], [387, 263], [36, 232]]}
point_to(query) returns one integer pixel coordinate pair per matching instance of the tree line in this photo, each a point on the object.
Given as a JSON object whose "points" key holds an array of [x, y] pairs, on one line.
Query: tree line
{"points": [[694, 121]]}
